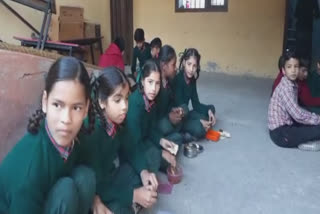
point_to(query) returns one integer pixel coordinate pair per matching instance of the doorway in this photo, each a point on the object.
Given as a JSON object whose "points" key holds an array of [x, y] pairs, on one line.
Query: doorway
{"points": [[302, 28], [122, 24]]}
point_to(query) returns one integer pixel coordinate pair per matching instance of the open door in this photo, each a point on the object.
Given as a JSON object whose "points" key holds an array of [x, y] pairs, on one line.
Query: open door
{"points": [[122, 24], [301, 27], [289, 41]]}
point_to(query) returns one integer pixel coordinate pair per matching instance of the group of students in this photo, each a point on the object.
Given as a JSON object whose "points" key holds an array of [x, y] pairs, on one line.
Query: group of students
{"points": [[293, 114], [113, 56], [95, 146]]}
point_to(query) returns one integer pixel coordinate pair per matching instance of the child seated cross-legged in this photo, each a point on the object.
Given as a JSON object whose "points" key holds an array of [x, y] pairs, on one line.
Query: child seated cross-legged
{"points": [[119, 186], [290, 125], [305, 97], [202, 117], [169, 119], [142, 118]]}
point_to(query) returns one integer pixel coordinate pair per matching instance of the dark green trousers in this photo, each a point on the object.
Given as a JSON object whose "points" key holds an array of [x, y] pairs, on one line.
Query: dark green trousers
{"points": [[74, 194], [155, 161], [125, 176], [172, 132], [192, 124]]}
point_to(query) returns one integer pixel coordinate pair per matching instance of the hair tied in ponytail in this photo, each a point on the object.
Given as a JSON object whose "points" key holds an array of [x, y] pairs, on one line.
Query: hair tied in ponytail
{"points": [[94, 77]]}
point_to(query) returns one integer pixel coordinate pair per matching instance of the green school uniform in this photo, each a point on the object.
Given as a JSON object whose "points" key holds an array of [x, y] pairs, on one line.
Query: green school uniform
{"points": [[142, 56], [142, 126], [186, 90], [165, 101], [29, 172], [100, 150]]}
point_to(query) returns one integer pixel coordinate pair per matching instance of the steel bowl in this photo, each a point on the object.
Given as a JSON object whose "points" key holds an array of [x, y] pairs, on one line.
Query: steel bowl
{"points": [[190, 150]]}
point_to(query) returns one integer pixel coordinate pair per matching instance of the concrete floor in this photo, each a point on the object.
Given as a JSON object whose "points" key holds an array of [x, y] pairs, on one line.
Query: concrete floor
{"points": [[247, 173]]}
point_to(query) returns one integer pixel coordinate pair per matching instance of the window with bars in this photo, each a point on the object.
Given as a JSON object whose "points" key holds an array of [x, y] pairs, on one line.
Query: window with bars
{"points": [[201, 5]]}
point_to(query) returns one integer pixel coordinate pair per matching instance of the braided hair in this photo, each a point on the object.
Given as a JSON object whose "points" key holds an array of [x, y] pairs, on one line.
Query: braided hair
{"points": [[65, 68], [103, 86], [191, 52], [35, 121]]}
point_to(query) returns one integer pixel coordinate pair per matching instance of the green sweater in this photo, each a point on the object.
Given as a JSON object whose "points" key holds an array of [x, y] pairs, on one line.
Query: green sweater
{"points": [[165, 101], [185, 92], [141, 123], [142, 56], [29, 171], [99, 151]]}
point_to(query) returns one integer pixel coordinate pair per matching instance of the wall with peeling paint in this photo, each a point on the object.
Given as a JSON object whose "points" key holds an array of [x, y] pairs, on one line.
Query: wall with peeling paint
{"points": [[97, 11], [246, 39]]}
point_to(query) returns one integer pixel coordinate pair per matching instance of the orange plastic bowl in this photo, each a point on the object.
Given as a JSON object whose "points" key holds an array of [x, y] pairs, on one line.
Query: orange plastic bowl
{"points": [[213, 135]]}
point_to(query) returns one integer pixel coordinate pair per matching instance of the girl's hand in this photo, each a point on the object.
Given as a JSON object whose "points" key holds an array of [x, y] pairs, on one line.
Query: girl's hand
{"points": [[206, 124], [166, 144], [99, 208], [212, 118], [145, 196], [148, 178], [171, 159]]}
